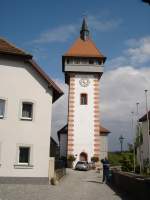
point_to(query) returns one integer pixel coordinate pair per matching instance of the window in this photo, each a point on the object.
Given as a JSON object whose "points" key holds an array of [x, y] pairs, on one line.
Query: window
{"points": [[84, 61], [24, 155], [91, 61], [2, 108], [98, 62], [77, 61], [27, 111], [69, 61], [83, 99]]}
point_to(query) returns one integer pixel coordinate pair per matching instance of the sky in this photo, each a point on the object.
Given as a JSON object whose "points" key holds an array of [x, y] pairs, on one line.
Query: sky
{"points": [[119, 28]]}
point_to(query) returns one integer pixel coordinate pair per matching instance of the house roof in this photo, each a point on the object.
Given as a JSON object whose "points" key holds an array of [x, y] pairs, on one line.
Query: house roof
{"points": [[144, 117], [53, 141], [6, 48], [64, 130], [104, 130], [9, 48], [84, 48]]}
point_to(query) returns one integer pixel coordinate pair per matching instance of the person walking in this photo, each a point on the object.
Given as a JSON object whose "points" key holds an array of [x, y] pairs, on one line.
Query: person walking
{"points": [[106, 165]]}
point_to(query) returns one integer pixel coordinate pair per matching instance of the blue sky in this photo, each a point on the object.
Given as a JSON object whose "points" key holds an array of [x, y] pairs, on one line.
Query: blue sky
{"points": [[112, 24], [120, 29]]}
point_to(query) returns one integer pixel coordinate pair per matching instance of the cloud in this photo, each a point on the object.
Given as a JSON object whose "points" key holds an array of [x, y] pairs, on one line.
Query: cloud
{"points": [[136, 54], [98, 24], [139, 51], [117, 62], [58, 34], [120, 89]]}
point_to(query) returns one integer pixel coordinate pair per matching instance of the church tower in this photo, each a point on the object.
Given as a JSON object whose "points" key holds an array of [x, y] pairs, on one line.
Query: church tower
{"points": [[83, 68]]}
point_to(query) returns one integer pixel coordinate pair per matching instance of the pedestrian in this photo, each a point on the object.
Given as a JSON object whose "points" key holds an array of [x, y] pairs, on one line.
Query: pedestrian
{"points": [[105, 163]]}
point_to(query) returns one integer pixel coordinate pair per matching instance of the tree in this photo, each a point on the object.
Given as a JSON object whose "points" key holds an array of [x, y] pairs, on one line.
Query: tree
{"points": [[130, 147]]}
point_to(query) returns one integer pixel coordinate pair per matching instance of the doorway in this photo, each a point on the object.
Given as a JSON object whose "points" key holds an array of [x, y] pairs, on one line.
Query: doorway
{"points": [[83, 156]]}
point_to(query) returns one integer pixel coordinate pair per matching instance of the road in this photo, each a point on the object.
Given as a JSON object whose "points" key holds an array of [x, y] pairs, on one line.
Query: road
{"points": [[75, 185]]}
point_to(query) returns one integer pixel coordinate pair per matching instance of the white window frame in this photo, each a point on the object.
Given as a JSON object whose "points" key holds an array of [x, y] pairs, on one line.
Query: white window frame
{"points": [[4, 114], [19, 165], [33, 108]]}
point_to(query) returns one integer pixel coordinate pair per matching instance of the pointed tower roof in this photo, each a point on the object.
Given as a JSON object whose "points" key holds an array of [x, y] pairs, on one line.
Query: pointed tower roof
{"points": [[84, 32], [84, 25], [84, 46]]}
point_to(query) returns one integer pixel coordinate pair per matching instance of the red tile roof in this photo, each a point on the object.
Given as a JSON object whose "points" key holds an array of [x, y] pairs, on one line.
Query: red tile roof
{"points": [[9, 48], [6, 48], [84, 48]]}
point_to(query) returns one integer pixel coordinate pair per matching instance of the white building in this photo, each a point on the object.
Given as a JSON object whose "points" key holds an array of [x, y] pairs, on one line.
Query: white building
{"points": [[103, 142], [83, 68], [103, 137], [143, 151], [26, 97]]}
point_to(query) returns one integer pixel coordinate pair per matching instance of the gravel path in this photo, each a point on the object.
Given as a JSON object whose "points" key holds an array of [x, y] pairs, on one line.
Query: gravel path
{"points": [[75, 185]]}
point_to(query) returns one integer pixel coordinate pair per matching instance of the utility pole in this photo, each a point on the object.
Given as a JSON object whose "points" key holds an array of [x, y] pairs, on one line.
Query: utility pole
{"points": [[148, 139], [133, 141], [139, 135]]}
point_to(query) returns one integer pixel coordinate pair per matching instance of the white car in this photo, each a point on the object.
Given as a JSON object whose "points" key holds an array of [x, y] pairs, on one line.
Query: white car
{"points": [[82, 166]]}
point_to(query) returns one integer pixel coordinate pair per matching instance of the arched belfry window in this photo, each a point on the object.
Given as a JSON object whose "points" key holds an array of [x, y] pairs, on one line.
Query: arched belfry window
{"points": [[83, 99]]}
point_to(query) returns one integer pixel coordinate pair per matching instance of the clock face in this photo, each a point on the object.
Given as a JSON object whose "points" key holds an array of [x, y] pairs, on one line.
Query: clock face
{"points": [[84, 82]]}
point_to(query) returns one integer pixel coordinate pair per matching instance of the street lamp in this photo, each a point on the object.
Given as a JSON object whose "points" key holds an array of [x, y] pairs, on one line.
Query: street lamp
{"points": [[133, 141], [121, 139], [139, 135]]}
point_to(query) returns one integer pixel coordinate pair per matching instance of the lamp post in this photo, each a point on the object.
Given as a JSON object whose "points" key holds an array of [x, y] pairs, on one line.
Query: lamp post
{"points": [[133, 141], [148, 139], [139, 135], [121, 139]]}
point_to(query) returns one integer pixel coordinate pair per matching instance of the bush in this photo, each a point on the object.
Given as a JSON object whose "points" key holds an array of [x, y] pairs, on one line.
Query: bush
{"points": [[71, 158], [94, 159], [126, 164], [125, 159]]}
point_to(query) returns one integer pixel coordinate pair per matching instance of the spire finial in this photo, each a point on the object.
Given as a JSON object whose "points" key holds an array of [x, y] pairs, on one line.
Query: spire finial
{"points": [[84, 32]]}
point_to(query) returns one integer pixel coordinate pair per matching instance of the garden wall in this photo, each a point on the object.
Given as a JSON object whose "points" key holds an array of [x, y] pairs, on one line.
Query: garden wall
{"points": [[137, 187]]}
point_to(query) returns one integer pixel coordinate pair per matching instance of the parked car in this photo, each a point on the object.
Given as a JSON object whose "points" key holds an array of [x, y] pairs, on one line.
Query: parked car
{"points": [[82, 166]]}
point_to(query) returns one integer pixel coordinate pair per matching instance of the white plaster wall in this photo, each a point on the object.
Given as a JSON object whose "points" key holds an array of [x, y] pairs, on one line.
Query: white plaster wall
{"points": [[84, 119], [20, 82], [63, 145], [103, 146], [144, 146]]}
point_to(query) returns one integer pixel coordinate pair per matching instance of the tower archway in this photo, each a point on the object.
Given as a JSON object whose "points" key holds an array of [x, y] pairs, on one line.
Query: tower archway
{"points": [[83, 156]]}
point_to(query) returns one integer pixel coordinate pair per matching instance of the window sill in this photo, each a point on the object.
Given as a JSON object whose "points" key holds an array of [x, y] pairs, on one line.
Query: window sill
{"points": [[19, 166], [1, 116], [26, 119]]}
